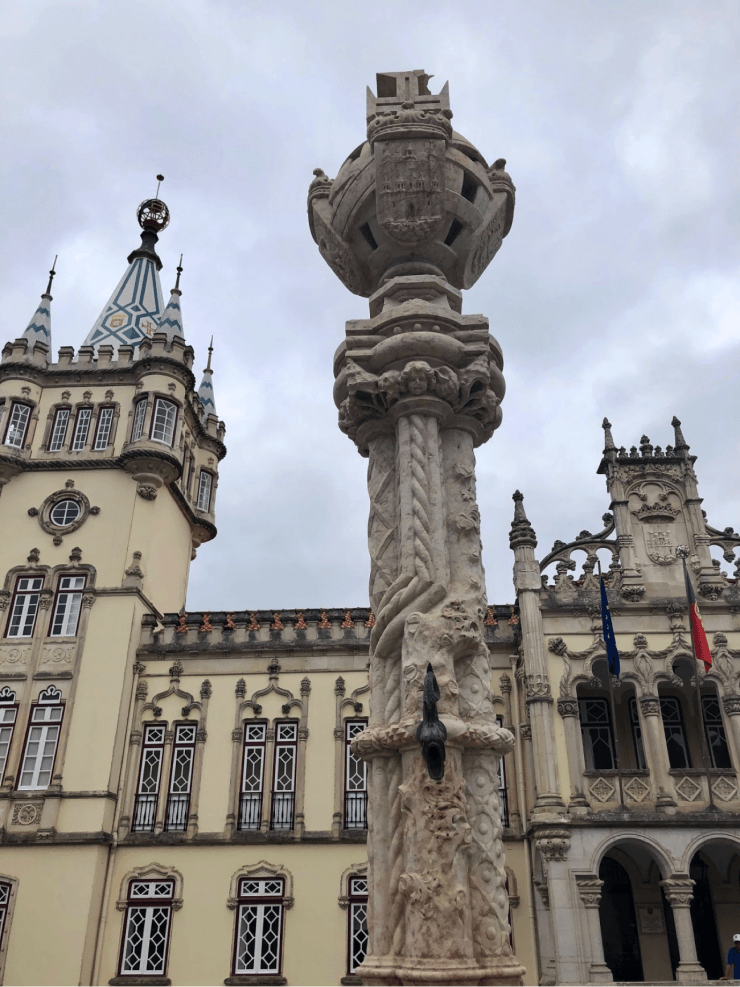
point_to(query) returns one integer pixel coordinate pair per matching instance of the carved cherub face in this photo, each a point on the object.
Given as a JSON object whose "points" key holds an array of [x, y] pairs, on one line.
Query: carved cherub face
{"points": [[417, 378]]}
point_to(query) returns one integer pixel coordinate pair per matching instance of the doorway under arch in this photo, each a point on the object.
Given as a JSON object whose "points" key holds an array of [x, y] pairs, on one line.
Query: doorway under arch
{"points": [[619, 923]]}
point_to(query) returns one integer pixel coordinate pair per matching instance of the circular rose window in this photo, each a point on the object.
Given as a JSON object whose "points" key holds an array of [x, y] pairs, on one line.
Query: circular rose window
{"points": [[64, 512]]}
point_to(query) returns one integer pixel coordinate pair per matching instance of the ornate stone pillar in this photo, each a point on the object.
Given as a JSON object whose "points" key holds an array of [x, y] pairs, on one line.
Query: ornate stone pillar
{"points": [[589, 888], [568, 709], [549, 805], [679, 892], [418, 387], [656, 755]]}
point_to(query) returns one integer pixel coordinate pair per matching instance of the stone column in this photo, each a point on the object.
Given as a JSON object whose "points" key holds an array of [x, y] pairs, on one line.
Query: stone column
{"points": [[568, 709], [418, 387], [589, 888], [656, 755], [679, 892], [731, 710], [549, 805]]}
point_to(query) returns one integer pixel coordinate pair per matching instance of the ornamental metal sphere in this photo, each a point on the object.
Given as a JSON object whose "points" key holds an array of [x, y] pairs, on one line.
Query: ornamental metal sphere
{"points": [[153, 214]]}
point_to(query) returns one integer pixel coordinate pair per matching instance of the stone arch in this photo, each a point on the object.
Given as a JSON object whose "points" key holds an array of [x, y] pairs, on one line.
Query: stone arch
{"points": [[705, 840], [151, 872], [263, 869], [644, 843]]}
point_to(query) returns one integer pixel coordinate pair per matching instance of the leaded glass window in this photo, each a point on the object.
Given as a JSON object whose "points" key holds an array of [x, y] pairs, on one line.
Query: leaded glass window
{"points": [[82, 427], [103, 430], [41, 747], [355, 779], [357, 918], [67, 607], [181, 777], [253, 771], [5, 890], [596, 730], [59, 430], [25, 606], [150, 771], [283, 785], [675, 734], [147, 928], [259, 921]]}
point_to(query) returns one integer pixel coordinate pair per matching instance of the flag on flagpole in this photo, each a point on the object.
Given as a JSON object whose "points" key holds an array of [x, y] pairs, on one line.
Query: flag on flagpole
{"points": [[612, 655], [701, 645]]}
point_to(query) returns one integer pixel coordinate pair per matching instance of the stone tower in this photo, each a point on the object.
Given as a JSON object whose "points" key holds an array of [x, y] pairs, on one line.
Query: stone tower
{"points": [[108, 469], [414, 215]]}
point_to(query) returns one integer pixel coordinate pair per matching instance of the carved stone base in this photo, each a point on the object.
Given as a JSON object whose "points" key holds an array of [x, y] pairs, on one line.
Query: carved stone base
{"points": [[599, 973], [691, 973], [397, 970]]}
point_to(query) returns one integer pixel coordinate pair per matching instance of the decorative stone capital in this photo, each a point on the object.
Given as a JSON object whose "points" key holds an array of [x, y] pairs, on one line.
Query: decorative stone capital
{"points": [[236, 735], [589, 888], [538, 689], [679, 891], [553, 844], [650, 705], [568, 706], [731, 704]]}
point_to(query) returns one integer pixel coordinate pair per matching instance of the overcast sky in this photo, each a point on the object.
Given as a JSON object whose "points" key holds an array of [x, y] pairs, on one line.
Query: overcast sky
{"points": [[616, 292]]}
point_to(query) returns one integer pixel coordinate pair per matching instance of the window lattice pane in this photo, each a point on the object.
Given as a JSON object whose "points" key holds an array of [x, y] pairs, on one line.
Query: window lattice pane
{"points": [[4, 894], [182, 769], [204, 490], [151, 765], [16, 434], [287, 731], [38, 759], [163, 428], [255, 731], [596, 730], [59, 431], [139, 414], [105, 421], [145, 947], [25, 608], [285, 768], [258, 939], [82, 427], [254, 759], [64, 513], [358, 933], [66, 615]]}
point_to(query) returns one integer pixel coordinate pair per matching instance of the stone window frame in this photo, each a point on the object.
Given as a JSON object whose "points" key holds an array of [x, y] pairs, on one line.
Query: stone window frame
{"points": [[55, 604], [151, 398], [51, 420], [246, 742], [177, 405], [29, 431], [243, 707], [79, 408], [43, 513], [149, 872], [204, 471], [146, 713], [263, 870], [46, 703], [346, 708], [115, 409], [6, 702], [13, 595], [13, 883], [345, 903]]}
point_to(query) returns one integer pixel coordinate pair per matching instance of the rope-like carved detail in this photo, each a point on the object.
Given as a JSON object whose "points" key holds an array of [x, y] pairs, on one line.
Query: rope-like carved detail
{"points": [[381, 524], [395, 858]]}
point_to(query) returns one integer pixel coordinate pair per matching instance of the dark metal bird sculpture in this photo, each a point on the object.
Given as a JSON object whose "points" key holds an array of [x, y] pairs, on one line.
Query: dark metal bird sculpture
{"points": [[431, 732]]}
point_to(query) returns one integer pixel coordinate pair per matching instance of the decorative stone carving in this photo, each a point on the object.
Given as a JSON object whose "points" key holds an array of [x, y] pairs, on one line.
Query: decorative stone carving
{"points": [[650, 705], [148, 491], [725, 788], [27, 813], [602, 790], [568, 706], [589, 889], [678, 891], [636, 790], [687, 789], [553, 844], [15, 655], [57, 654], [731, 704]]}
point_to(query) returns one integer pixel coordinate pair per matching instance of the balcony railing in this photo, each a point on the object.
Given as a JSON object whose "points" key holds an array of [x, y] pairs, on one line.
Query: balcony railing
{"points": [[282, 810], [355, 810], [250, 810], [145, 811], [177, 813]]}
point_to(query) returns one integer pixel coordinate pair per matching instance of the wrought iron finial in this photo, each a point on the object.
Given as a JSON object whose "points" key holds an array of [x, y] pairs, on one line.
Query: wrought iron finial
{"points": [[210, 353], [179, 272], [160, 179], [431, 732]]}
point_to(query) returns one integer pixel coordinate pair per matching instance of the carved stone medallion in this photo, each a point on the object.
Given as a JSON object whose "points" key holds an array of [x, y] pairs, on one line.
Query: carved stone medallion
{"points": [[660, 543], [410, 188]]}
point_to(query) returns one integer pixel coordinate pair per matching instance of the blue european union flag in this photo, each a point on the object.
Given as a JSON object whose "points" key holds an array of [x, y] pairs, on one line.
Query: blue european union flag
{"points": [[612, 655]]}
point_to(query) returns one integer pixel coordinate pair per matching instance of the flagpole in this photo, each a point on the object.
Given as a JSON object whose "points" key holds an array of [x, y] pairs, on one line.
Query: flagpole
{"points": [[617, 750], [700, 711]]}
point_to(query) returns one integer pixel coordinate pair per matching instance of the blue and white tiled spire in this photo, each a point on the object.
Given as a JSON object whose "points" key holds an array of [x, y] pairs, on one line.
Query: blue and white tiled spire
{"points": [[38, 329], [171, 321], [205, 391], [136, 306]]}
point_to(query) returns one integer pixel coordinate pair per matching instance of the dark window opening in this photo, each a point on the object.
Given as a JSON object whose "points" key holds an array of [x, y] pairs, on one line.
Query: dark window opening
{"points": [[469, 188], [454, 232], [368, 235]]}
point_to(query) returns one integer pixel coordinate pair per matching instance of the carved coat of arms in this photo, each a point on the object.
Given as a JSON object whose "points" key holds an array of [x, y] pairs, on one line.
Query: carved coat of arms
{"points": [[410, 187], [660, 544]]}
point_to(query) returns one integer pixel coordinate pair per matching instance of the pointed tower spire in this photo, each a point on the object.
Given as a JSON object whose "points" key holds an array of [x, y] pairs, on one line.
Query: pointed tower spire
{"points": [[171, 321], [135, 307], [522, 532], [608, 439], [38, 329], [681, 443], [205, 391]]}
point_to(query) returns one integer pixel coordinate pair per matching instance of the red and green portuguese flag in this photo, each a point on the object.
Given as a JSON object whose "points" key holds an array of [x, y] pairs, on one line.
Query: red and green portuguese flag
{"points": [[701, 645]]}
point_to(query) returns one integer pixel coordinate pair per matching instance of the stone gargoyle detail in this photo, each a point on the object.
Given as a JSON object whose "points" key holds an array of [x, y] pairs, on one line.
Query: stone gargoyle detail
{"points": [[431, 733]]}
